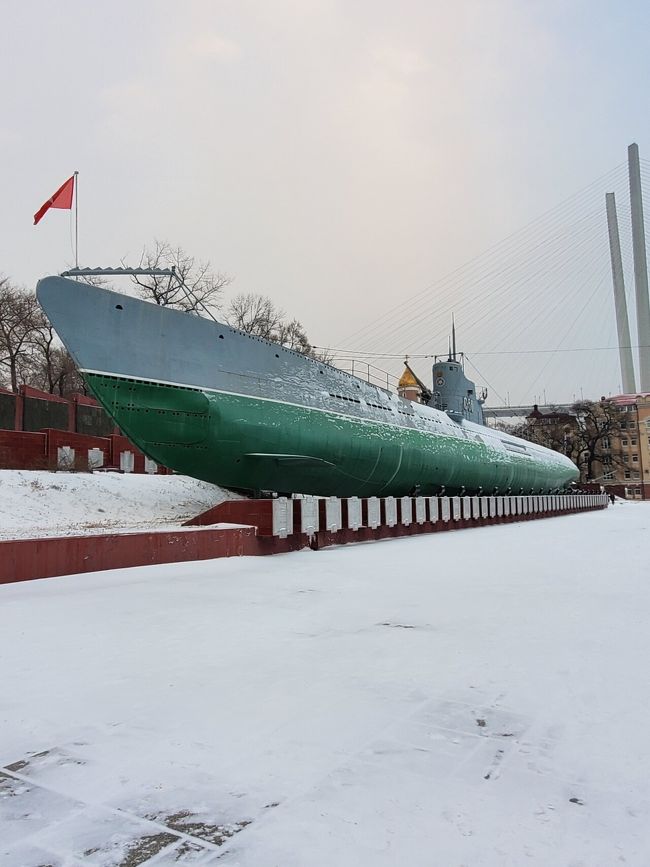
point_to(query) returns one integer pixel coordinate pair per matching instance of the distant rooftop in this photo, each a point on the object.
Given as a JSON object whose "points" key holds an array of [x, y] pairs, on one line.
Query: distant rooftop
{"points": [[624, 399]]}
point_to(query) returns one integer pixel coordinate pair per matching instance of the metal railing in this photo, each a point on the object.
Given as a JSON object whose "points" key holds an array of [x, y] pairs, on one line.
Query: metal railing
{"points": [[369, 373]]}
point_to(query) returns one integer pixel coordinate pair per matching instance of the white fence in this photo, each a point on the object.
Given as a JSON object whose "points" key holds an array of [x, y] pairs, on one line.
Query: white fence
{"points": [[334, 514]]}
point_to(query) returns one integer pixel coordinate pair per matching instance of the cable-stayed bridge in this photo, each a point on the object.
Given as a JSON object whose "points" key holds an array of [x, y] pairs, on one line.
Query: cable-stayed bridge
{"points": [[534, 313], [492, 412]]}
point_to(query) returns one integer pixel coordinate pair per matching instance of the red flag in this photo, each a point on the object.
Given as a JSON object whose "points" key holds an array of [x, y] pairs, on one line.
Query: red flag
{"points": [[61, 199]]}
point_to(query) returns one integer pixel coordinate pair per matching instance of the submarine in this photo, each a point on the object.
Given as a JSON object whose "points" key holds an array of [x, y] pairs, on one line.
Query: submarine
{"points": [[233, 409]]}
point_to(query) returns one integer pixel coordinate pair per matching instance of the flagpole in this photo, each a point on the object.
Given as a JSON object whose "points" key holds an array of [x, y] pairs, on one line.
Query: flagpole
{"points": [[76, 219]]}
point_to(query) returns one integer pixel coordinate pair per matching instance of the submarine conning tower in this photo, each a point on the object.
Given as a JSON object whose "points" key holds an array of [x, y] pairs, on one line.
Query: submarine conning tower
{"points": [[453, 392]]}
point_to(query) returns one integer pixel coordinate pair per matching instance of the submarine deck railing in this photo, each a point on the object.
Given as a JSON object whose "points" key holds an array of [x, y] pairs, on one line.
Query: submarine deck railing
{"points": [[370, 373]]}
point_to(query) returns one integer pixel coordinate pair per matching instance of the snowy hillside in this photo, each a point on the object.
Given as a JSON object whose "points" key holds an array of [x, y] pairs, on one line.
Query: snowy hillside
{"points": [[40, 503], [475, 698]]}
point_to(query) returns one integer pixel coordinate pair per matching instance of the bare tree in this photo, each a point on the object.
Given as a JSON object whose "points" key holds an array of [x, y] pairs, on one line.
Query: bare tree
{"points": [[67, 379], [19, 323], [326, 356], [42, 358], [554, 430], [583, 434], [257, 314], [597, 422], [292, 335], [196, 288], [98, 280], [51, 367]]}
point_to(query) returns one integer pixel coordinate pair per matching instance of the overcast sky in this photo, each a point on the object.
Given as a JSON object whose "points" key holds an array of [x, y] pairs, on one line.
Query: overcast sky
{"points": [[339, 156]]}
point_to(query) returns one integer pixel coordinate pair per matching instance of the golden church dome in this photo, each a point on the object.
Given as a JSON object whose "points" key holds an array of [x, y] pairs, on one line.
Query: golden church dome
{"points": [[408, 379]]}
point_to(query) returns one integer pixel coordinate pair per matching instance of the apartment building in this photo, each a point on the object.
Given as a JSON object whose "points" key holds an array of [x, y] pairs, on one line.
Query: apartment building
{"points": [[625, 456]]}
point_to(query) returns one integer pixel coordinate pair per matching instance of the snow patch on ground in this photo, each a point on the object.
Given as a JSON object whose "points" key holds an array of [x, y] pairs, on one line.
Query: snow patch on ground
{"points": [[469, 698], [40, 503]]}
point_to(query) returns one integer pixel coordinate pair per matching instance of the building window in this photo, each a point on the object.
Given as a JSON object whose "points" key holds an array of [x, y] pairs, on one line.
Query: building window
{"points": [[605, 442], [636, 474], [633, 441], [628, 474], [635, 459], [609, 476], [623, 442]]}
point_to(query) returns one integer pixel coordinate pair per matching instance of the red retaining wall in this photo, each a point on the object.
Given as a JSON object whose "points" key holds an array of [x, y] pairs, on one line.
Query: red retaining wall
{"points": [[23, 559], [28, 396], [256, 512], [29, 391], [80, 443], [23, 451], [77, 421], [119, 445]]}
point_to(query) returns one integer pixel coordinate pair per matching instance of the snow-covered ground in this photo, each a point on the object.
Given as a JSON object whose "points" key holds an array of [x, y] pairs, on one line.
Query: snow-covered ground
{"points": [[39, 503], [468, 698]]}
